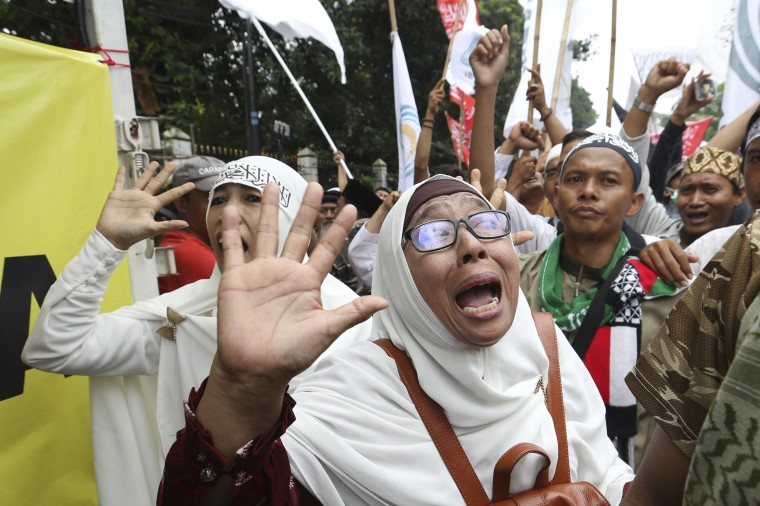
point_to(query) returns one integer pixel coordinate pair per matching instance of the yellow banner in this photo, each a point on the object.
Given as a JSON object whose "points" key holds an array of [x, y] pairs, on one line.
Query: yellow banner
{"points": [[58, 152]]}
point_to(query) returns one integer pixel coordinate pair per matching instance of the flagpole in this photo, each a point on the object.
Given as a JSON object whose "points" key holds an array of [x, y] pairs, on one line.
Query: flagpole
{"points": [[536, 38], [264, 36], [392, 8], [460, 155], [613, 39], [562, 50], [451, 40]]}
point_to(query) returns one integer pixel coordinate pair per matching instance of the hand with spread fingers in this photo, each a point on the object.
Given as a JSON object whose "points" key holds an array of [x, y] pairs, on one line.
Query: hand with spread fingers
{"points": [[271, 323], [128, 216]]}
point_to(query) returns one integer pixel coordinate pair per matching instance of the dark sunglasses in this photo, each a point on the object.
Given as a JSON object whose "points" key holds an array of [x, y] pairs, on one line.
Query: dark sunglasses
{"points": [[439, 234]]}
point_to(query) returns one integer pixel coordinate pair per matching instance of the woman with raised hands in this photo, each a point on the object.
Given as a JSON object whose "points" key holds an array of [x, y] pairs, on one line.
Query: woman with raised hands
{"points": [[143, 358], [447, 295]]}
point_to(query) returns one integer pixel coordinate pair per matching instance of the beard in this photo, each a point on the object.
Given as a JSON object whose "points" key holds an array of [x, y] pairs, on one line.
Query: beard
{"points": [[584, 236]]}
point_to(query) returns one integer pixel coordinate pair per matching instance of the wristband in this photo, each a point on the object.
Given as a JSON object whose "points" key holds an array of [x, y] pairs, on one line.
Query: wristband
{"points": [[428, 121], [642, 106], [544, 118]]}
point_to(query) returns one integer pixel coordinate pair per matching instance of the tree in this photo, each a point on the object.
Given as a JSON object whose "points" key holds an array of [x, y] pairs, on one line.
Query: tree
{"points": [[188, 69], [584, 114]]}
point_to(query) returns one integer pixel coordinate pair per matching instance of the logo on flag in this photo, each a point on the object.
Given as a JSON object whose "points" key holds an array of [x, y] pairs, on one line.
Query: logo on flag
{"points": [[407, 121]]}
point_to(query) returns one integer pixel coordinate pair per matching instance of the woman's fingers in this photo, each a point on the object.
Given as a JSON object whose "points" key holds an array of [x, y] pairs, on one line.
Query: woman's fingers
{"points": [[232, 245], [267, 235], [118, 183], [143, 179], [475, 179], [156, 183], [173, 194], [521, 237], [355, 312], [498, 200], [299, 236]]}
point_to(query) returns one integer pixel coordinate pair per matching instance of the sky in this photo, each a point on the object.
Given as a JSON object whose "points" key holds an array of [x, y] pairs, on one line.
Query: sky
{"points": [[659, 26]]}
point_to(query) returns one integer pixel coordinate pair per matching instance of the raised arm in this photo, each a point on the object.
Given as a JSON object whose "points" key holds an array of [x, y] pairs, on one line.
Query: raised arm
{"points": [[664, 76], [422, 154], [669, 148], [730, 136], [128, 215], [69, 335], [536, 94], [342, 176], [488, 61]]}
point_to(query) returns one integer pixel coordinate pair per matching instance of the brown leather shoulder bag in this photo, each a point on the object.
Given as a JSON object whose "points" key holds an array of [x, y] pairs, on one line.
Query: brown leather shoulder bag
{"points": [[558, 491]]}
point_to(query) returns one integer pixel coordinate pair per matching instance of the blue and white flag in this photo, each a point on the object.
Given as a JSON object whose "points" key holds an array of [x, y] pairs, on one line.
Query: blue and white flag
{"points": [[743, 82], [407, 120]]}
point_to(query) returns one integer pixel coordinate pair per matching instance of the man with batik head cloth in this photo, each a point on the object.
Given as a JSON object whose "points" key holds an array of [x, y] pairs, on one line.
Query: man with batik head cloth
{"points": [[699, 376], [711, 187]]}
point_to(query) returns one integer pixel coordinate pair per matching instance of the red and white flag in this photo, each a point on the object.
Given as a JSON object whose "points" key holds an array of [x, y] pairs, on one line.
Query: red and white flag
{"points": [[462, 131], [466, 37], [448, 11], [692, 136], [462, 149]]}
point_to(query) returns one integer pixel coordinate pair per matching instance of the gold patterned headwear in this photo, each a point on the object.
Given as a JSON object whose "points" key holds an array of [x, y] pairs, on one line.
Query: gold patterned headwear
{"points": [[717, 161]]}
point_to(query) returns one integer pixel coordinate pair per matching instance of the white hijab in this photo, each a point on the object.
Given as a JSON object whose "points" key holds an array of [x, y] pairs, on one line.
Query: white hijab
{"points": [[146, 411], [358, 438]]}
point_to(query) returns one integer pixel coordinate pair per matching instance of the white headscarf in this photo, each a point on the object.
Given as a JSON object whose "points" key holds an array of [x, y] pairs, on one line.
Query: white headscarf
{"points": [[358, 438], [184, 363], [257, 172]]}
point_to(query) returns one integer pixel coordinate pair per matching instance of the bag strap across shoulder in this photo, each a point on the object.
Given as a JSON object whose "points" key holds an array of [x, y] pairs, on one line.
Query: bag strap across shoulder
{"points": [[440, 430], [446, 440], [545, 325]]}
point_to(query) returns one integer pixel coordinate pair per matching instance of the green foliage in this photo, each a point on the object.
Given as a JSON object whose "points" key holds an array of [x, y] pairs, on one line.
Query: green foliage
{"points": [[51, 23], [188, 63], [584, 114], [583, 50]]}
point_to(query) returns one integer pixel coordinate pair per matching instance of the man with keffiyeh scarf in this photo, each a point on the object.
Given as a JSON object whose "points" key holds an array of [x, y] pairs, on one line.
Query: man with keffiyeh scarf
{"points": [[608, 303]]}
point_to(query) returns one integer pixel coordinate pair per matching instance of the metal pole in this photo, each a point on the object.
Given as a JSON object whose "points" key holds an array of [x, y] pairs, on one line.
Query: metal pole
{"points": [[252, 126], [105, 22], [293, 80]]}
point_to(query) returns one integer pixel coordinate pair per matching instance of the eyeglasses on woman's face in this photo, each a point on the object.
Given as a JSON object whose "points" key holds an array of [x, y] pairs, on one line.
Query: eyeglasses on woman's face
{"points": [[438, 234]]}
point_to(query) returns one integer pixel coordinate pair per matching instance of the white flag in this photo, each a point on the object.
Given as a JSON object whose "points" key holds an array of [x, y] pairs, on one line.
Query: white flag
{"points": [[407, 120], [293, 19], [552, 25], [459, 72], [743, 81], [714, 46]]}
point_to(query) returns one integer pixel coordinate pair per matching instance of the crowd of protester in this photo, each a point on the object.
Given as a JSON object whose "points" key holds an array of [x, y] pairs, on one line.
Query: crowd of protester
{"points": [[647, 263]]}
